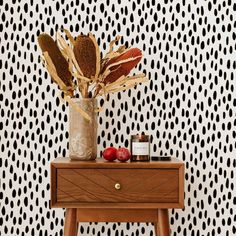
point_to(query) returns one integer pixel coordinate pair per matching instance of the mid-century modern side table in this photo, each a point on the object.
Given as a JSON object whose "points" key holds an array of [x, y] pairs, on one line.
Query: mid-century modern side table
{"points": [[99, 191]]}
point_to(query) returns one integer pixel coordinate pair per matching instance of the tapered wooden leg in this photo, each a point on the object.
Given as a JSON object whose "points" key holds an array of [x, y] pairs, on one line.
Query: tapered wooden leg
{"points": [[70, 225], [156, 229], [163, 226]]}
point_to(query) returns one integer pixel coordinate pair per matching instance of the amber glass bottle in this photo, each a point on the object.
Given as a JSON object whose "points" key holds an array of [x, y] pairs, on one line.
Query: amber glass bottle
{"points": [[140, 148]]}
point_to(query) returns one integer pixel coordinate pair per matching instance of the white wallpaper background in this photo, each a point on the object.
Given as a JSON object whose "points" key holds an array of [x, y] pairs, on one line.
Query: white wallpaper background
{"points": [[189, 107]]}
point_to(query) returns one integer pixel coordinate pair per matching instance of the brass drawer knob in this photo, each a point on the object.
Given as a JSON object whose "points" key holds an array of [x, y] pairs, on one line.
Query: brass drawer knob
{"points": [[117, 186]]}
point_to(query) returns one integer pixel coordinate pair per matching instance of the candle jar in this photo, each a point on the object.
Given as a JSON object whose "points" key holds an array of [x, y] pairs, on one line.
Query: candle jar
{"points": [[140, 148]]}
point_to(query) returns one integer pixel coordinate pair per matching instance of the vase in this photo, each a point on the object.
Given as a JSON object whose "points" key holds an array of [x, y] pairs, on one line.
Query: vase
{"points": [[83, 132]]}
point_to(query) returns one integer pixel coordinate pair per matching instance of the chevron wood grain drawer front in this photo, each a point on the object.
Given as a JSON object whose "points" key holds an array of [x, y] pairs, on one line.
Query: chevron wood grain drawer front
{"points": [[134, 185], [101, 184]]}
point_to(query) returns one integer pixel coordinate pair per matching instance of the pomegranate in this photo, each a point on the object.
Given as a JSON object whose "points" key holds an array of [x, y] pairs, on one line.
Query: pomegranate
{"points": [[123, 154], [109, 154]]}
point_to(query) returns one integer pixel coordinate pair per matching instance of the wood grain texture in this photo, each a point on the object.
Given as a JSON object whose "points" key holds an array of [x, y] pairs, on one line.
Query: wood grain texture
{"points": [[98, 185], [116, 215], [53, 185], [147, 190], [65, 162], [113, 205], [70, 224], [67, 198], [156, 228], [163, 226], [181, 186]]}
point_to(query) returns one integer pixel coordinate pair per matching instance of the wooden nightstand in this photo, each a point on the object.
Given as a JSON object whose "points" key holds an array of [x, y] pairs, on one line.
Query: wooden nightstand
{"points": [[99, 191]]}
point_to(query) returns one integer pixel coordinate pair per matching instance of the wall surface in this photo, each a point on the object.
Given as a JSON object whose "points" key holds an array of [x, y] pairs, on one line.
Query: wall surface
{"points": [[189, 107]]}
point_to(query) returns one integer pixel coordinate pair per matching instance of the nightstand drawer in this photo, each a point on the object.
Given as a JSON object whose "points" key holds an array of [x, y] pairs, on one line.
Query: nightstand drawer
{"points": [[117, 185]]}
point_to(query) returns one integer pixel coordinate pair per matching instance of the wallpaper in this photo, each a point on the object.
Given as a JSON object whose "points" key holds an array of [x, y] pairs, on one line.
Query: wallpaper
{"points": [[188, 107]]}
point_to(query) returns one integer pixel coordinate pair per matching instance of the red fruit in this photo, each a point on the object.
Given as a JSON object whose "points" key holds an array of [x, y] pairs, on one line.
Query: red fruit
{"points": [[123, 154], [109, 154]]}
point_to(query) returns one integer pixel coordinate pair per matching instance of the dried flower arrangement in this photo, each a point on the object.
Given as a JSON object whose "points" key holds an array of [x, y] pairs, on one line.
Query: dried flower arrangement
{"points": [[78, 67]]}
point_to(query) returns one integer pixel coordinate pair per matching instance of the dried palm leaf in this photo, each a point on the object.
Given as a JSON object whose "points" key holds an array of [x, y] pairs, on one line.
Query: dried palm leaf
{"points": [[52, 71], [114, 66], [86, 55], [47, 44], [119, 66], [111, 54], [117, 38], [125, 80], [123, 83], [70, 37], [122, 49], [98, 56], [122, 64], [69, 52]]}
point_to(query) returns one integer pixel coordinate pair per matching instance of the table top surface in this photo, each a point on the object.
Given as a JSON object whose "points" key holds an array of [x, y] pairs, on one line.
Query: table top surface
{"points": [[66, 162]]}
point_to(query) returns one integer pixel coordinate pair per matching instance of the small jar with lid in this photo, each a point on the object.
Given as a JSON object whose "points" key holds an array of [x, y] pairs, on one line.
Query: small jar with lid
{"points": [[140, 147]]}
